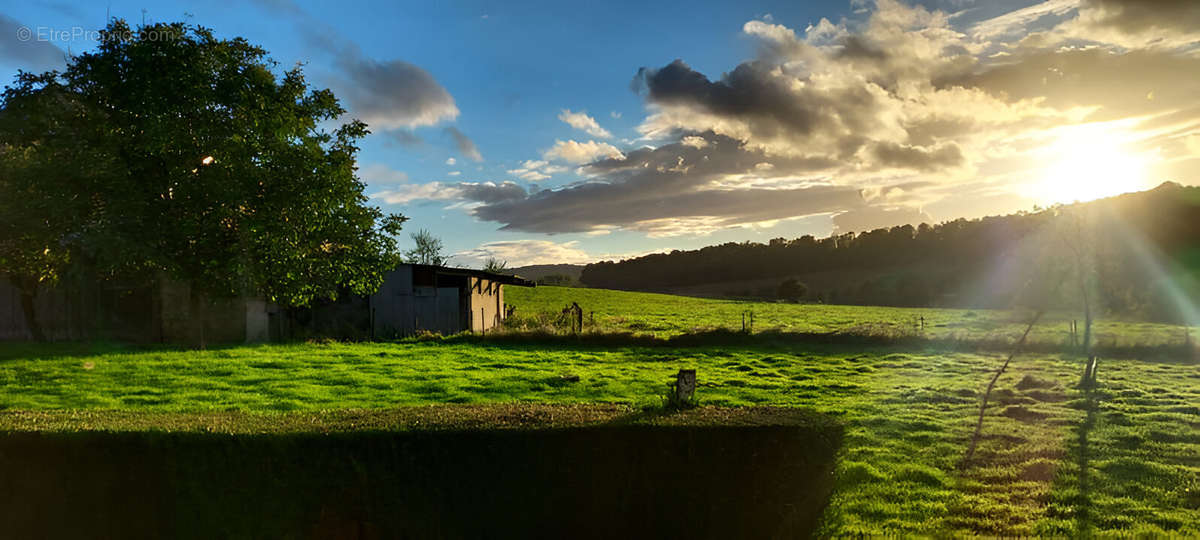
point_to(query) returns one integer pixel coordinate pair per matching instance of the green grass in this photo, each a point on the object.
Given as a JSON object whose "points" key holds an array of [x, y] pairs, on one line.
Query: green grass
{"points": [[1122, 459], [665, 315], [908, 414]]}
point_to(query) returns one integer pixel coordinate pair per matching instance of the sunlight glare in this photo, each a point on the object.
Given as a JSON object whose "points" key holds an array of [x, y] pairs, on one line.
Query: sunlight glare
{"points": [[1089, 162]]}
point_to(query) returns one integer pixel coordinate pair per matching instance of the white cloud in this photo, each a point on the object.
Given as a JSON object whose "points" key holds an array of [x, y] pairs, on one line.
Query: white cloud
{"points": [[451, 161], [580, 120], [470, 192], [582, 152], [533, 170], [432, 191], [525, 252]]}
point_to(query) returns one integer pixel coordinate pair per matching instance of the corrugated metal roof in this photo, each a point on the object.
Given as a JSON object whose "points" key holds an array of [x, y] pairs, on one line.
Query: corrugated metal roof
{"points": [[498, 278]]}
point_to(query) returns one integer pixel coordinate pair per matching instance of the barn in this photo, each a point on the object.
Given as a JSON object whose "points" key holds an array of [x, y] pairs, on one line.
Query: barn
{"points": [[155, 310], [414, 298]]}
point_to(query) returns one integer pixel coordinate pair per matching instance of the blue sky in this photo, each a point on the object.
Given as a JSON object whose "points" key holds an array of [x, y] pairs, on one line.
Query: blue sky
{"points": [[847, 115]]}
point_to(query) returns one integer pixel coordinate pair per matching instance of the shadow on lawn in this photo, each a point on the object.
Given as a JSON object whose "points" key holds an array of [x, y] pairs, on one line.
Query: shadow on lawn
{"points": [[1084, 520], [602, 481], [1169, 353], [1164, 353]]}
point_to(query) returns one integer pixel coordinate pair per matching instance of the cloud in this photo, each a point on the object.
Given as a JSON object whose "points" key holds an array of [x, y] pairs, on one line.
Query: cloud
{"points": [[1103, 83], [392, 96], [1140, 22], [581, 152], [653, 190], [917, 158], [533, 170], [525, 252], [450, 161], [871, 218], [19, 44], [465, 145], [580, 120], [478, 192]]}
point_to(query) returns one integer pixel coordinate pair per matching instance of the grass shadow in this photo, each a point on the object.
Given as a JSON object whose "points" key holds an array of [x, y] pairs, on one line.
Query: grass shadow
{"points": [[1084, 519]]}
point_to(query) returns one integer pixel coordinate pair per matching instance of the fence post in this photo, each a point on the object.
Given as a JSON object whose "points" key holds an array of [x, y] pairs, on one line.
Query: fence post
{"points": [[685, 386]]}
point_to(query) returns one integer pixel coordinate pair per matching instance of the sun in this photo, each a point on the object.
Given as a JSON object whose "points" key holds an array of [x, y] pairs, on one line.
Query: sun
{"points": [[1088, 162]]}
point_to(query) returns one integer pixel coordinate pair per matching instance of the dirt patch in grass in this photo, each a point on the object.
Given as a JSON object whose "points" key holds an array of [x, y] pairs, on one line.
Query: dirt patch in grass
{"points": [[1024, 414], [1046, 397], [1030, 382]]}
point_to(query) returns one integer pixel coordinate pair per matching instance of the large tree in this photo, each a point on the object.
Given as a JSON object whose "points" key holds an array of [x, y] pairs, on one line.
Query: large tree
{"points": [[220, 172], [45, 174]]}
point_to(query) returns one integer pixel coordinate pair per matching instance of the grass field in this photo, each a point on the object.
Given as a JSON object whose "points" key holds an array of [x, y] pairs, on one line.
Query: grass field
{"points": [[1056, 459], [664, 315]]}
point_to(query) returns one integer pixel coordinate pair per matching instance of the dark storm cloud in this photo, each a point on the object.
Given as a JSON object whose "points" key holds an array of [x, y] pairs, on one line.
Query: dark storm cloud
{"points": [[465, 145], [19, 44]]}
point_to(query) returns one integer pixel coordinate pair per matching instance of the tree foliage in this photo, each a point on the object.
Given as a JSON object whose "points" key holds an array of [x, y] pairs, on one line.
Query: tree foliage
{"points": [[792, 290], [496, 266], [171, 152], [427, 249]]}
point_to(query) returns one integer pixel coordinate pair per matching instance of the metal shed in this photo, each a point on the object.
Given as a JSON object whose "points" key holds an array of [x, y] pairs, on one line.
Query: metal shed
{"points": [[439, 299]]}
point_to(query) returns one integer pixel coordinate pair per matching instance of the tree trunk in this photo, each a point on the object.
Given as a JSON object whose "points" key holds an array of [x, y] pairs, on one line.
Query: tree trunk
{"points": [[1087, 323], [31, 322]]}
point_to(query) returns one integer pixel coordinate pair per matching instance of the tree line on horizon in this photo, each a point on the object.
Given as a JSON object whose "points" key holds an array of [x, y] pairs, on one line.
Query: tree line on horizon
{"points": [[1143, 252]]}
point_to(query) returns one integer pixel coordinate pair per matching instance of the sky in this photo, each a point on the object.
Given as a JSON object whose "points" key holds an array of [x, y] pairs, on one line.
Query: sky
{"points": [[547, 132]]}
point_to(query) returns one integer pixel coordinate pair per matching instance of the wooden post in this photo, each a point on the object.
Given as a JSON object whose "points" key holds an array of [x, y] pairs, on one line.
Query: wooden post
{"points": [[685, 386], [1089, 372]]}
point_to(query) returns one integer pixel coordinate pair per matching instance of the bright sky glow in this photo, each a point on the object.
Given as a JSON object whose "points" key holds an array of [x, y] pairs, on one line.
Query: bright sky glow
{"points": [[1091, 162]]}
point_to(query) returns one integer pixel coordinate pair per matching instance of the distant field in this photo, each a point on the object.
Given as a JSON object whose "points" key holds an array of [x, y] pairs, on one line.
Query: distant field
{"points": [[667, 315], [1054, 461]]}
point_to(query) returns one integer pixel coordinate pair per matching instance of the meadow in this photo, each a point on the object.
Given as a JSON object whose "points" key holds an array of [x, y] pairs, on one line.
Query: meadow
{"points": [[1055, 458], [665, 316]]}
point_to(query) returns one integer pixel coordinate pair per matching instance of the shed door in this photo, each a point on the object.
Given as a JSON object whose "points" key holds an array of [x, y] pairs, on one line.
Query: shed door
{"points": [[449, 317]]}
